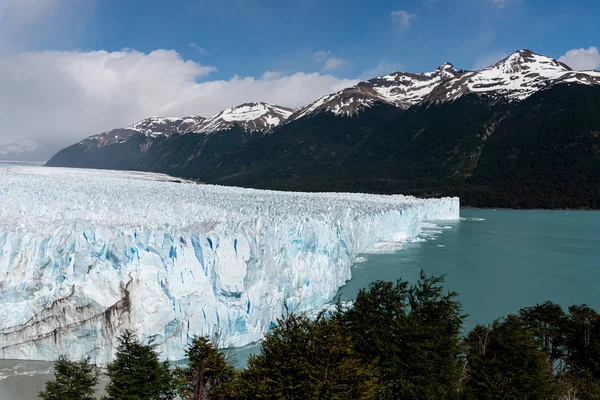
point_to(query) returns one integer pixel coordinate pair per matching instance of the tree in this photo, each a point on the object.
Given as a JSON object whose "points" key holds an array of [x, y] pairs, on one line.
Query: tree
{"points": [[308, 359], [547, 322], [73, 380], [582, 336], [137, 374], [208, 375], [413, 333], [504, 362]]}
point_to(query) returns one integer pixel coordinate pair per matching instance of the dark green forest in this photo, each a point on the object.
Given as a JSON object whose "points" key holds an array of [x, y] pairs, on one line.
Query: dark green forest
{"points": [[542, 152], [395, 341]]}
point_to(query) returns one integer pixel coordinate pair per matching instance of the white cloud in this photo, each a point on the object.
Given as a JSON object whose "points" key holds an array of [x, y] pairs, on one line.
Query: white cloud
{"points": [[582, 59], [270, 75], [488, 60], [333, 63], [322, 55], [75, 94], [402, 19], [384, 67], [200, 50], [330, 62]]}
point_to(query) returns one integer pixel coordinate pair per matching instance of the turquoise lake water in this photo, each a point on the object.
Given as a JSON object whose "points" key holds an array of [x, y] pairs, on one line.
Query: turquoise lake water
{"points": [[499, 261]]}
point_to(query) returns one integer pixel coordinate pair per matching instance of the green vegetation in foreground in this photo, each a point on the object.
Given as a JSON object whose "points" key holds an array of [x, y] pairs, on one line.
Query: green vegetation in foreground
{"points": [[397, 341]]}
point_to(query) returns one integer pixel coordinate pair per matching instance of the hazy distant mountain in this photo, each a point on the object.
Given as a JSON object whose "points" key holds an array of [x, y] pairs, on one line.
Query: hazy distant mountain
{"points": [[122, 148], [31, 149]]}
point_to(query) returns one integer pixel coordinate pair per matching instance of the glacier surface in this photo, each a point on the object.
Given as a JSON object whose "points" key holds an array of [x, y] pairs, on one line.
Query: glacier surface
{"points": [[86, 253]]}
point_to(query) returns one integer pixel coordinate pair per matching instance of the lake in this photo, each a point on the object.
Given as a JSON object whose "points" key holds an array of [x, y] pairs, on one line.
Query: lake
{"points": [[498, 260]]}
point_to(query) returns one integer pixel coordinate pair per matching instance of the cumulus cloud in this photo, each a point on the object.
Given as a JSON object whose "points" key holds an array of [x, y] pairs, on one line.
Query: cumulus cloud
{"points": [[333, 63], [75, 93], [402, 19], [329, 61], [582, 59], [322, 55], [270, 75]]}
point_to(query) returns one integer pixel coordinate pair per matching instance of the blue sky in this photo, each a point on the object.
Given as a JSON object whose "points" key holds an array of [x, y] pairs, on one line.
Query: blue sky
{"points": [[248, 38], [78, 67]]}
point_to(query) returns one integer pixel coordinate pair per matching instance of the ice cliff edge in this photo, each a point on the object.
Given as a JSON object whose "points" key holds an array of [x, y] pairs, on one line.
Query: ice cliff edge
{"points": [[84, 254]]}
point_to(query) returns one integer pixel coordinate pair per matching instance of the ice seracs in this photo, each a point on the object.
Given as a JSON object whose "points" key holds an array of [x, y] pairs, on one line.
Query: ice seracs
{"points": [[87, 253], [250, 117]]}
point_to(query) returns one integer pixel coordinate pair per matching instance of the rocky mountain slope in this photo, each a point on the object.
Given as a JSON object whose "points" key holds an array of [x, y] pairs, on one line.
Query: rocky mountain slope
{"points": [[445, 132], [400, 89], [250, 117], [121, 148], [514, 78]]}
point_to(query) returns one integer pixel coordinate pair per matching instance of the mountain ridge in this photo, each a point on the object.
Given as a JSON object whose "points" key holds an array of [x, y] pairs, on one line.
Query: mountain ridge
{"points": [[427, 134]]}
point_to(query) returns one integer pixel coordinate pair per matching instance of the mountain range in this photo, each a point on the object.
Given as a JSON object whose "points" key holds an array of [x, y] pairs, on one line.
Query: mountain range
{"points": [[522, 133]]}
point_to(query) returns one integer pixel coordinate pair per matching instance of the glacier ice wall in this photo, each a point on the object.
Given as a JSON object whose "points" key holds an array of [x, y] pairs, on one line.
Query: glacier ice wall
{"points": [[84, 254]]}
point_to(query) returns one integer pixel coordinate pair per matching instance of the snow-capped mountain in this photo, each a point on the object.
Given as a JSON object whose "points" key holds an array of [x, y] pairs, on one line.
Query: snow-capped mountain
{"points": [[31, 149], [516, 77], [156, 126], [400, 89], [251, 117], [151, 127], [227, 143]]}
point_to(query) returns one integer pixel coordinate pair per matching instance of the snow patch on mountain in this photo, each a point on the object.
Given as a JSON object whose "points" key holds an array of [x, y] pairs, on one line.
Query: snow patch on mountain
{"points": [[400, 89], [87, 253], [251, 117], [514, 78], [165, 126], [152, 127]]}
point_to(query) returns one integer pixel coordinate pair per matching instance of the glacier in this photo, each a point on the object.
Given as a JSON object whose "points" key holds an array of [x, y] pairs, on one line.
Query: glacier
{"points": [[87, 253]]}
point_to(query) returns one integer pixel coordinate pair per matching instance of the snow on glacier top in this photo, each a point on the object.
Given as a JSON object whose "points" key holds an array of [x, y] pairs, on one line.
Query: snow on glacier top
{"points": [[30, 195]]}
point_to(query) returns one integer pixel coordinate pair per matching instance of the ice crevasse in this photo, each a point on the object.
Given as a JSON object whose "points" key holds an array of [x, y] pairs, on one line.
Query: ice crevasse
{"points": [[85, 254]]}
